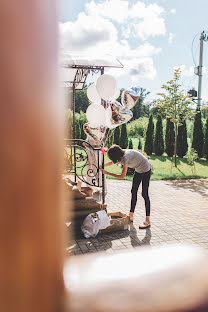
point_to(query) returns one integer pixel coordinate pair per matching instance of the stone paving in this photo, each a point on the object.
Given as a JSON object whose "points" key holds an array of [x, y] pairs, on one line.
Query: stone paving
{"points": [[179, 214]]}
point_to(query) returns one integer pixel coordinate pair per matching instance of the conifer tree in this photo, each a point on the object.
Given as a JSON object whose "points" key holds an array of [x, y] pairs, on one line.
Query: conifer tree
{"points": [[140, 144], [130, 144], [148, 147], [206, 139], [169, 138], [116, 136], [123, 136], [159, 142], [182, 145], [175, 104], [198, 141]]}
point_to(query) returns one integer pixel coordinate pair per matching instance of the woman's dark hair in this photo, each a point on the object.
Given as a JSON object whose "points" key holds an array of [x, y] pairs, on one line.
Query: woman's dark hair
{"points": [[115, 153]]}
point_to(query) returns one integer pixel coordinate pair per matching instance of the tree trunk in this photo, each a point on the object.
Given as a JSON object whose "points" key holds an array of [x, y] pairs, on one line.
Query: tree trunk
{"points": [[175, 145]]}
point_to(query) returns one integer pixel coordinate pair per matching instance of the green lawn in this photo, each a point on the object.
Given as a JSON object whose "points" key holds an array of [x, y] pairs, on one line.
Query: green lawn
{"points": [[163, 169]]}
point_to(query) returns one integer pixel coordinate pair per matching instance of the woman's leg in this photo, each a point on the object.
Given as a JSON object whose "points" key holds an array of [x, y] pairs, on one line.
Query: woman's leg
{"points": [[135, 185], [145, 193]]}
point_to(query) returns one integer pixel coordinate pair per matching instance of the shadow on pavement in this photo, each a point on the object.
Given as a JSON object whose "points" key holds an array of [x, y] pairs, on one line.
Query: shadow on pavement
{"points": [[135, 241], [199, 186]]}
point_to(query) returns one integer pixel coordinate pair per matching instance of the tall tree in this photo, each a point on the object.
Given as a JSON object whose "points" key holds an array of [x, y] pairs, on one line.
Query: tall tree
{"points": [[169, 138], [139, 144], [123, 137], [159, 142], [198, 140], [130, 144], [140, 109], [81, 100], [175, 104], [77, 127], [206, 139], [149, 140], [116, 136], [182, 145], [82, 121]]}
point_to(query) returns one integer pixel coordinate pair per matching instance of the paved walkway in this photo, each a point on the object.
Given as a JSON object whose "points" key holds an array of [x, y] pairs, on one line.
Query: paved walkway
{"points": [[179, 214]]}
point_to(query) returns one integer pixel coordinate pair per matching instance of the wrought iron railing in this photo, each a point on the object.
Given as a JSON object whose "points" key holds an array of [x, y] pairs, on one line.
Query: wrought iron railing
{"points": [[83, 161]]}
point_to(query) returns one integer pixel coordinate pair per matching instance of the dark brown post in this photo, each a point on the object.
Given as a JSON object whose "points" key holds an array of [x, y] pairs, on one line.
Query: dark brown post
{"points": [[31, 223]]}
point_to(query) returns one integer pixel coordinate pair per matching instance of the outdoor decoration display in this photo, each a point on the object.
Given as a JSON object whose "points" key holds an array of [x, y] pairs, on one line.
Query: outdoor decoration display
{"points": [[93, 95], [106, 86], [130, 97], [114, 113], [100, 117], [95, 137]]}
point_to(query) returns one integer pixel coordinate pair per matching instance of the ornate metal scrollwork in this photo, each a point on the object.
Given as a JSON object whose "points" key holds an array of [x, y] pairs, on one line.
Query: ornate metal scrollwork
{"points": [[78, 161]]}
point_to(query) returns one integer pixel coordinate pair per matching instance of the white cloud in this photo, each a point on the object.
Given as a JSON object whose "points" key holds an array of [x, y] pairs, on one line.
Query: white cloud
{"points": [[151, 24], [105, 27], [173, 11], [171, 36], [116, 10], [136, 69], [87, 33], [189, 71], [140, 20]]}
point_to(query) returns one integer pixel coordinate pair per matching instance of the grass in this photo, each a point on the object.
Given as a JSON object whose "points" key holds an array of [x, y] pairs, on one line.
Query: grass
{"points": [[163, 168]]}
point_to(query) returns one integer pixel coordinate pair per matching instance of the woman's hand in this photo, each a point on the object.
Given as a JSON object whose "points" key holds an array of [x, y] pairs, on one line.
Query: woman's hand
{"points": [[103, 170], [84, 144]]}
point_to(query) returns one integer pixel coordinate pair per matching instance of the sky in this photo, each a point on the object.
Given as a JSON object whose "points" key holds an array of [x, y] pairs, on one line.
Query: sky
{"points": [[150, 38]]}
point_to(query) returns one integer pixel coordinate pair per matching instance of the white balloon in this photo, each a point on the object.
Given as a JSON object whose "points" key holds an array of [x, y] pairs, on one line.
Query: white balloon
{"points": [[96, 115], [106, 86], [108, 113], [115, 96], [92, 94]]}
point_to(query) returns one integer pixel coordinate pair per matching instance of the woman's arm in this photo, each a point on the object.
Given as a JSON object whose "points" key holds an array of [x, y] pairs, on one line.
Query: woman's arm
{"points": [[109, 163], [119, 176]]}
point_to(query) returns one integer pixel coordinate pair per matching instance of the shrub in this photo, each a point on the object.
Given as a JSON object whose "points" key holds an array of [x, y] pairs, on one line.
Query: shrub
{"points": [[192, 155], [139, 144], [198, 140], [159, 142], [206, 140], [148, 146], [123, 137], [182, 146], [130, 144], [116, 136], [137, 127], [169, 138]]}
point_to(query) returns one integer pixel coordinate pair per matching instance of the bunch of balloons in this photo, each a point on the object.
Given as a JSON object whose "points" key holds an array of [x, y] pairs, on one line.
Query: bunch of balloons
{"points": [[114, 113]]}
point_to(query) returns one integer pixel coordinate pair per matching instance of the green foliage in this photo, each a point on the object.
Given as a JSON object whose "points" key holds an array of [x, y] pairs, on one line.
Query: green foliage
{"points": [[198, 140], [81, 100], [82, 121], [116, 136], [182, 146], [123, 136], [137, 127], [192, 155], [130, 144], [159, 142], [175, 104], [169, 138], [139, 144], [109, 138], [77, 127], [149, 140], [206, 140], [140, 109]]}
